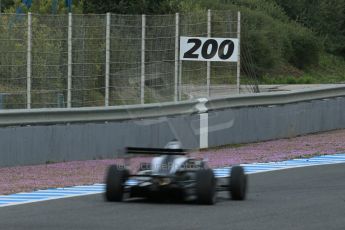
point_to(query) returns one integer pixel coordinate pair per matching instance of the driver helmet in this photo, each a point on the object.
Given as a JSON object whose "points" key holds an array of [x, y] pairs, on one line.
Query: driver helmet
{"points": [[174, 144]]}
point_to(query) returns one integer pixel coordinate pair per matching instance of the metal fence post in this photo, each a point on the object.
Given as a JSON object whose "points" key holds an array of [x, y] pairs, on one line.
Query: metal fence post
{"points": [[28, 63], [107, 60], [177, 19], [69, 74], [142, 82], [180, 77], [208, 63], [239, 52]]}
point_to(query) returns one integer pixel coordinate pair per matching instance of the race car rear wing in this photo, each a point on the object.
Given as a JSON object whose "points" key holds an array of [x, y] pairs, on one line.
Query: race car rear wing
{"points": [[159, 151]]}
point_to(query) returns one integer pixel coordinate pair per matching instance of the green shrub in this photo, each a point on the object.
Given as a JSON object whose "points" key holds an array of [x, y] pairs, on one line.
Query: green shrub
{"points": [[305, 49]]}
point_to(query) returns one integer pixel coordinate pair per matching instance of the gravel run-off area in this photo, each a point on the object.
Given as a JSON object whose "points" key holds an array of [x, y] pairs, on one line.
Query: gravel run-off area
{"points": [[29, 178]]}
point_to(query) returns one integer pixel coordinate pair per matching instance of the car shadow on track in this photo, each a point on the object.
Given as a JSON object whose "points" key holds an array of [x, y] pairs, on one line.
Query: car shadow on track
{"points": [[220, 199]]}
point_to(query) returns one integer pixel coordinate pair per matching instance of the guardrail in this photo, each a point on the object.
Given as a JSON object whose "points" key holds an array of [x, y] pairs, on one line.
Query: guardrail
{"points": [[276, 98], [113, 113], [94, 114]]}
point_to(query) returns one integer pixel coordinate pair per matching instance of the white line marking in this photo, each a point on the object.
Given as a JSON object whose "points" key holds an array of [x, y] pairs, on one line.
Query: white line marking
{"points": [[51, 198]]}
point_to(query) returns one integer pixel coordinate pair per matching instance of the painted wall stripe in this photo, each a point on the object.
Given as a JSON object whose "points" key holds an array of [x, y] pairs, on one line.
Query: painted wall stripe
{"points": [[203, 130]]}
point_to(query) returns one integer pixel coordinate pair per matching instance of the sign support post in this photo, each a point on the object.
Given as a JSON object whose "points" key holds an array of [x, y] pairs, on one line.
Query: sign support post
{"points": [[176, 83], [239, 52], [208, 63]]}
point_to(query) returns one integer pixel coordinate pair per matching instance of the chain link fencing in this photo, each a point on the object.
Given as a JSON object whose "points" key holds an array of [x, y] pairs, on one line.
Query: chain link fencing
{"points": [[13, 57], [57, 61]]}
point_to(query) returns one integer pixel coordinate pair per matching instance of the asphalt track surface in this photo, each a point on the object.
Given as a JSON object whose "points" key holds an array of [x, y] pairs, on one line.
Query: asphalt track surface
{"points": [[299, 198]]}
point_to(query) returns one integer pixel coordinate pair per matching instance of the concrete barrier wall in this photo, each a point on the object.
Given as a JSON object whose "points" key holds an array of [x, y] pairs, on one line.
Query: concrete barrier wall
{"points": [[55, 143], [252, 124], [26, 145]]}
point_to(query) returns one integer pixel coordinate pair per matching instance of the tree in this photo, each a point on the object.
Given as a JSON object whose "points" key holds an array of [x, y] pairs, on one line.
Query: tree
{"points": [[43, 6], [4, 4], [325, 17], [132, 6]]}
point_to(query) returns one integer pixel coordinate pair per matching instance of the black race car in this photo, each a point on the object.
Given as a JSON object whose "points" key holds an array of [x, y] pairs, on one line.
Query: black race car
{"points": [[173, 176]]}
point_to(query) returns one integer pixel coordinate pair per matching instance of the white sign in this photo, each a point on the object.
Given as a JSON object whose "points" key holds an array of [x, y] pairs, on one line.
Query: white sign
{"points": [[208, 49]]}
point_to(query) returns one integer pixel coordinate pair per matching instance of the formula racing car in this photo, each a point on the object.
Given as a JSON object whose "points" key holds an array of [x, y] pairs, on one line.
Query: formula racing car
{"points": [[172, 176]]}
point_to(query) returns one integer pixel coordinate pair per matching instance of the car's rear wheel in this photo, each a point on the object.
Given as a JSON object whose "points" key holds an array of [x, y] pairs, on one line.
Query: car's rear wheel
{"points": [[205, 187], [238, 183], [115, 180]]}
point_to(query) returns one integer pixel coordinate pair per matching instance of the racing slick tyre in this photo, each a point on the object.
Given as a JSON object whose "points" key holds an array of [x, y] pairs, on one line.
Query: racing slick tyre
{"points": [[114, 183], [238, 183], [205, 187]]}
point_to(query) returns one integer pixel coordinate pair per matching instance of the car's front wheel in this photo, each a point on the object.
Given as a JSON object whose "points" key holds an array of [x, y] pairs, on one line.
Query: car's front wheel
{"points": [[115, 180], [205, 187], [238, 183]]}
